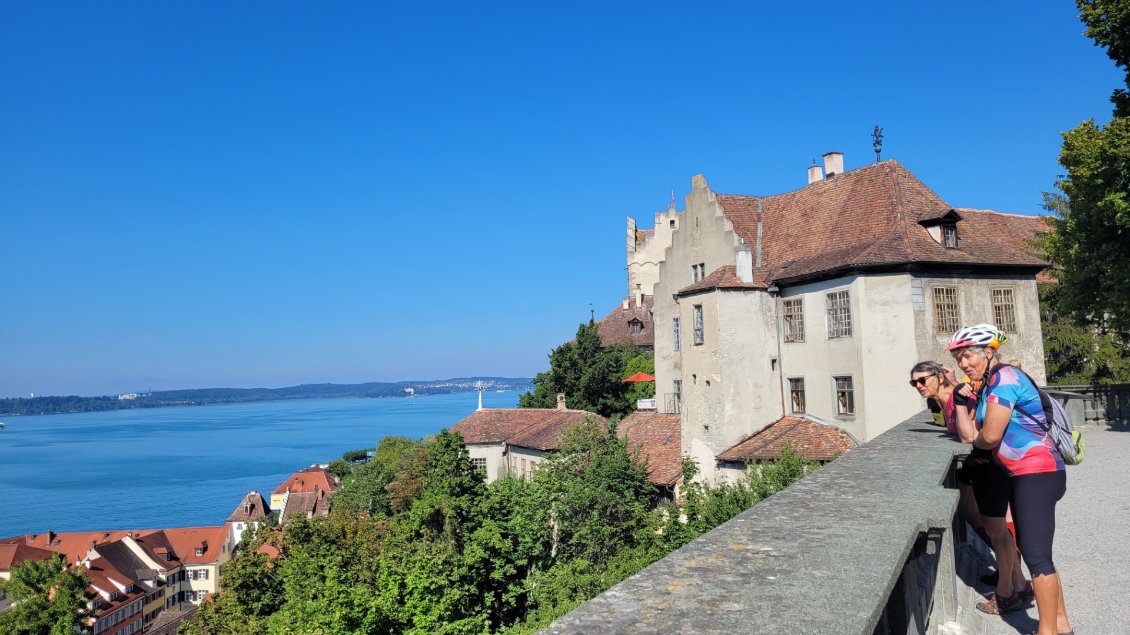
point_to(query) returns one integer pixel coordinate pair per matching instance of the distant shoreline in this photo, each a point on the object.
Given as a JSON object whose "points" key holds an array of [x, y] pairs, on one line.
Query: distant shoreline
{"points": [[72, 404]]}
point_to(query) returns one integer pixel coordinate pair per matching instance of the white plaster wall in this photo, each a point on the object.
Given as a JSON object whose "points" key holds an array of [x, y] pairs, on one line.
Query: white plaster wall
{"points": [[643, 260], [702, 235], [494, 454], [516, 455]]}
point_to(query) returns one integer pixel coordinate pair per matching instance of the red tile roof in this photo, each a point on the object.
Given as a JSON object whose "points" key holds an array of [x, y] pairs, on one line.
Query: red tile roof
{"points": [[311, 479], [185, 541], [616, 327], [74, 545], [546, 434], [305, 503], [658, 439], [811, 439], [498, 425], [13, 554], [725, 277], [253, 507], [870, 217]]}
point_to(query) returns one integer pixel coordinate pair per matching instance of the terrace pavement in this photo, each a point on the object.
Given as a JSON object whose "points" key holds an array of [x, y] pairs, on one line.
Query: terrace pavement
{"points": [[1092, 545]]}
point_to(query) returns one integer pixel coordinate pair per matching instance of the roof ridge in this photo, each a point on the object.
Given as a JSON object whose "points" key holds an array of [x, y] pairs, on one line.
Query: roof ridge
{"points": [[888, 163], [900, 214]]}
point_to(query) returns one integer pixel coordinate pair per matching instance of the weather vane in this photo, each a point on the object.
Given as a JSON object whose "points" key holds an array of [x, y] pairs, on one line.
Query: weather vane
{"points": [[877, 135]]}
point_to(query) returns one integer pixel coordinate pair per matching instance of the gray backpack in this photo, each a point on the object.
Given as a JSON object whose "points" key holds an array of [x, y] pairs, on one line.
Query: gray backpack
{"points": [[1068, 441]]}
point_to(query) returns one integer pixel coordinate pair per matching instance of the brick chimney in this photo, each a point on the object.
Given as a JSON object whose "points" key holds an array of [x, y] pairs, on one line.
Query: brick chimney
{"points": [[833, 164], [560, 401], [815, 173]]}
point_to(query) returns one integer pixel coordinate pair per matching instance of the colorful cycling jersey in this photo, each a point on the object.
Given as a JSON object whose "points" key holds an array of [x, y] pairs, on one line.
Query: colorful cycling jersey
{"points": [[1025, 448]]}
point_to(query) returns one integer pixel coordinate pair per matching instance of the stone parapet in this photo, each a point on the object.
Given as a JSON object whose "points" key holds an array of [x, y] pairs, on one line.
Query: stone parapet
{"points": [[863, 545]]}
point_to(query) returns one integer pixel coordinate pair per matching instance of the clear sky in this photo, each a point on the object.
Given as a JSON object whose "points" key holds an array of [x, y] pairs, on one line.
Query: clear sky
{"points": [[201, 194]]}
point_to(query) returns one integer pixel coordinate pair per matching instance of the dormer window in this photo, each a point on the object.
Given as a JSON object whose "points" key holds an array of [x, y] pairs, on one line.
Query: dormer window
{"points": [[943, 228], [949, 236], [636, 326], [200, 551]]}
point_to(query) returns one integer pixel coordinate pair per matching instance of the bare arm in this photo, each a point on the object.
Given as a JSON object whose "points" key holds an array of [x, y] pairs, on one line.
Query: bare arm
{"points": [[966, 427], [992, 430]]}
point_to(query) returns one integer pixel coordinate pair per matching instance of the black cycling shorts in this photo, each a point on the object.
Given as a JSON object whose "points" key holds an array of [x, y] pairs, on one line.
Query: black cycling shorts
{"points": [[989, 482], [1033, 514]]}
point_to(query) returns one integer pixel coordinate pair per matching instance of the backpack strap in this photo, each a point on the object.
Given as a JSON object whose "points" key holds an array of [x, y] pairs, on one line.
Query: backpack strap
{"points": [[1046, 425]]}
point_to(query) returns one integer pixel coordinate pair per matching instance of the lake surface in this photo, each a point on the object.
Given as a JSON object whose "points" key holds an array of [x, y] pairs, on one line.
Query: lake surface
{"points": [[190, 466]]}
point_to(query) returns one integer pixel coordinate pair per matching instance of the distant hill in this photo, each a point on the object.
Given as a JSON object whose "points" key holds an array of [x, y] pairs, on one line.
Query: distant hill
{"points": [[202, 396]]}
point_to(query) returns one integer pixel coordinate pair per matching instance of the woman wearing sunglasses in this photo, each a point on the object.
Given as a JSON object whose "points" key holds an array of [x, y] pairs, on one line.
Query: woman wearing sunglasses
{"points": [[983, 486]]}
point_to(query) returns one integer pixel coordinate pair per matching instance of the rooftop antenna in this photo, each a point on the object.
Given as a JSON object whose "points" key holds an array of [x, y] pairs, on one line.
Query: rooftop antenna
{"points": [[672, 205], [877, 135], [592, 313]]}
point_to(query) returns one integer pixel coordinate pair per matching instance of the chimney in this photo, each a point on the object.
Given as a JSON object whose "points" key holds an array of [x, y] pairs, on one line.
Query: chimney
{"points": [[560, 401], [815, 173], [743, 263], [624, 306], [833, 164], [639, 297]]}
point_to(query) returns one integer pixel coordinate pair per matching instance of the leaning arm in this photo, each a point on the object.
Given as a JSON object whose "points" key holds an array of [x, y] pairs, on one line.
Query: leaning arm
{"points": [[992, 430], [966, 427]]}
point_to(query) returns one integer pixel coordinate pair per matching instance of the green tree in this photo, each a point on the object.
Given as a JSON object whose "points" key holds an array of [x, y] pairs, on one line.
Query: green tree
{"points": [[386, 483], [590, 376], [1090, 243], [1075, 351], [48, 598]]}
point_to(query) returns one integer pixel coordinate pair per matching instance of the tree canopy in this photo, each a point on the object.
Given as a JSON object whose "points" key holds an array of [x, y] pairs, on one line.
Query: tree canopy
{"points": [[1090, 244], [590, 376], [48, 598]]}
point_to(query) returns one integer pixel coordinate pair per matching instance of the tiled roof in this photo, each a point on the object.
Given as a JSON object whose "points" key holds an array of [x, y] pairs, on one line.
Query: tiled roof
{"points": [[725, 277], [125, 560], [185, 541], [157, 546], [305, 503], [498, 425], [546, 434], [870, 217], [811, 439], [616, 327], [658, 439], [311, 479], [15, 553], [74, 545], [253, 507]]}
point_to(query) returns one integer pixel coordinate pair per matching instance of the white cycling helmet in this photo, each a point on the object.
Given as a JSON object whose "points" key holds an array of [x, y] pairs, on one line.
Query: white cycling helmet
{"points": [[977, 335]]}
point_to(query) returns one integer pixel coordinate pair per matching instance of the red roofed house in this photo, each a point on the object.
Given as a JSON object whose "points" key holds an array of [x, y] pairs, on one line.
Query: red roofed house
{"points": [[202, 551], [809, 437], [252, 512], [819, 300], [505, 441], [305, 492], [657, 440], [12, 554]]}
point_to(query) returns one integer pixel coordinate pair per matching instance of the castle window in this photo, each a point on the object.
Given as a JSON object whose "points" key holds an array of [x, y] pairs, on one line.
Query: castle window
{"points": [[796, 393], [794, 319], [698, 272], [949, 236], [636, 326], [699, 335], [480, 464], [1004, 310], [946, 318], [676, 345], [838, 305], [845, 396]]}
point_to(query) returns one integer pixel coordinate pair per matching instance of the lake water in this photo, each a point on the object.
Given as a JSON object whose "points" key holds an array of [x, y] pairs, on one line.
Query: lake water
{"points": [[190, 466]]}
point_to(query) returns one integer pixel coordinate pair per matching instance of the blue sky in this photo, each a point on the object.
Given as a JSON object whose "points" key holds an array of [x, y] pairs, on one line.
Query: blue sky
{"points": [[264, 194]]}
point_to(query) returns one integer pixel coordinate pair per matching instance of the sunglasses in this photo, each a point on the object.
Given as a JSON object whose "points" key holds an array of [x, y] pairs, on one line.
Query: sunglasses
{"points": [[921, 381]]}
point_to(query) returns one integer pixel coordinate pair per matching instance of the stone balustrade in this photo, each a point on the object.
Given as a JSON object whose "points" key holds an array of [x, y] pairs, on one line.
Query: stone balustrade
{"points": [[864, 545]]}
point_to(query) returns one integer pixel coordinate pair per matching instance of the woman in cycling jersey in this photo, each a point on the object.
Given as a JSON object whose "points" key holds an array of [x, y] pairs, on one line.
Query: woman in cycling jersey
{"points": [[983, 485], [1010, 421]]}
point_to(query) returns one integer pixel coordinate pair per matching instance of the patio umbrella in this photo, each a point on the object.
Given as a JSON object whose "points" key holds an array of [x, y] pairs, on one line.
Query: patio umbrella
{"points": [[639, 377]]}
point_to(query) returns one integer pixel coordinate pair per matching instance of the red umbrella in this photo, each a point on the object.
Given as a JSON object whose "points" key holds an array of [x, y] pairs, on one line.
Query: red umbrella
{"points": [[639, 377]]}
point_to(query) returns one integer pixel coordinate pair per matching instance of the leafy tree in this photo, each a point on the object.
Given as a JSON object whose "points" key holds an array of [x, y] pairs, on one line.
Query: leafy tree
{"points": [[643, 389], [48, 598], [385, 484], [591, 377], [1091, 239], [1076, 352]]}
